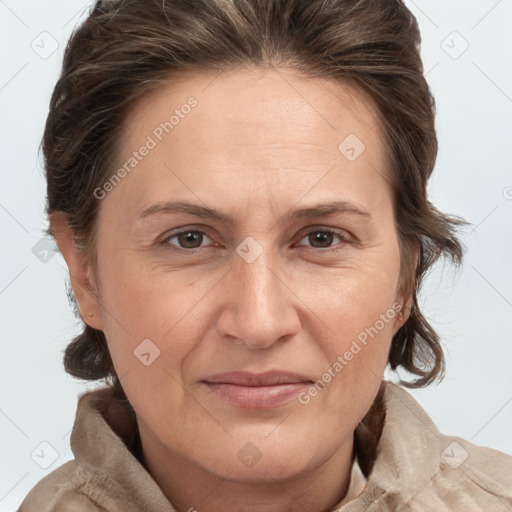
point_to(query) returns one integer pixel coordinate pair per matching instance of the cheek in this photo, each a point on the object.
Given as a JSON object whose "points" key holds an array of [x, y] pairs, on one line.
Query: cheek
{"points": [[148, 331], [354, 298], [359, 310], [141, 303]]}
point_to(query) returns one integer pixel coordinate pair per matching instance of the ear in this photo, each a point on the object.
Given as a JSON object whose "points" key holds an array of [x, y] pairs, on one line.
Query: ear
{"points": [[406, 298], [404, 313], [81, 272]]}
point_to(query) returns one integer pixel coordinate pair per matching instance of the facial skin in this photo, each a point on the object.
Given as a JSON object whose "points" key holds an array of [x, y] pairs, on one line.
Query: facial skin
{"points": [[258, 145]]}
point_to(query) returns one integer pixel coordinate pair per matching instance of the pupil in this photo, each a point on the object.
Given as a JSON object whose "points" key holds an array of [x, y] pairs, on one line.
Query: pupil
{"points": [[322, 237], [190, 237]]}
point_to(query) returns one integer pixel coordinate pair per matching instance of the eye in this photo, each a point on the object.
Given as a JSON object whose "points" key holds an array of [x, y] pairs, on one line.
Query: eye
{"points": [[187, 239], [323, 238], [194, 238]]}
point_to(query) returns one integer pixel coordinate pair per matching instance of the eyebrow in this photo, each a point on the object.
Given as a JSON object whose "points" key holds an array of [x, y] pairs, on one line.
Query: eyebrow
{"points": [[205, 212]]}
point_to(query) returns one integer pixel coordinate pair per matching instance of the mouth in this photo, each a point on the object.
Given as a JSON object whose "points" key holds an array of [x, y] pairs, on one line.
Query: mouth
{"points": [[256, 391]]}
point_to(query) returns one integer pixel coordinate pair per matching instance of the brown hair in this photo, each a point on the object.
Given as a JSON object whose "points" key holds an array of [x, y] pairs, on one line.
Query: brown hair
{"points": [[127, 47]]}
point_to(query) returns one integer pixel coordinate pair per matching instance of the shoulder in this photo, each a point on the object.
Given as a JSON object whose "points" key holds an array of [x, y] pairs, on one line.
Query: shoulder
{"points": [[414, 467], [475, 476], [463, 476], [60, 491]]}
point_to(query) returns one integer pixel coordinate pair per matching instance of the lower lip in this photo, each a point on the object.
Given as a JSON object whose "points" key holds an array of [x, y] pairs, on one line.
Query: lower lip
{"points": [[257, 397]]}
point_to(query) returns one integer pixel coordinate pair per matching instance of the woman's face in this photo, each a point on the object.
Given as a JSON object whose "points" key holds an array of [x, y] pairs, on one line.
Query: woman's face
{"points": [[246, 254]]}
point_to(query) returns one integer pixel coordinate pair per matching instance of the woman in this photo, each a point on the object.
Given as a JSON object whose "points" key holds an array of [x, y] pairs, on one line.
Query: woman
{"points": [[239, 191]]}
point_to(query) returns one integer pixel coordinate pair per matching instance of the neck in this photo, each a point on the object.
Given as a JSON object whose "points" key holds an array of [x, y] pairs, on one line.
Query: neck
{"points": [[191, 488]]}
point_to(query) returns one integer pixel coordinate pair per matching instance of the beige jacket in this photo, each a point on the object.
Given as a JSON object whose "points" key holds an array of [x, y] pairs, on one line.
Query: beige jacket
{"points": [[403, 464]]}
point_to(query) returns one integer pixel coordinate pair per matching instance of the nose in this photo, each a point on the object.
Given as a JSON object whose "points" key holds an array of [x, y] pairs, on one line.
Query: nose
{"points": [[259, 306]]}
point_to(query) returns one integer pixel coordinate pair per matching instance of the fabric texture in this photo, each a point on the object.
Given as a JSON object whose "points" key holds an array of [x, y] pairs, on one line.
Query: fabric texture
{"points": [[403, 463]]}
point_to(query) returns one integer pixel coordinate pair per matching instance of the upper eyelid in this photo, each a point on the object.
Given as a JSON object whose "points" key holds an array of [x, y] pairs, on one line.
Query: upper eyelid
{"points": [[336, 231], [205, 229]]}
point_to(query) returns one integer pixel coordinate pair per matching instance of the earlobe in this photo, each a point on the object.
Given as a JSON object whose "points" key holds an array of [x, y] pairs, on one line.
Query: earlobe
{"points": [[80, 271]]}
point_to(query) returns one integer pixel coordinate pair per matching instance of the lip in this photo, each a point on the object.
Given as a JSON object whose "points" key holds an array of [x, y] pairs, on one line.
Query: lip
{"points": [[256, 390]]}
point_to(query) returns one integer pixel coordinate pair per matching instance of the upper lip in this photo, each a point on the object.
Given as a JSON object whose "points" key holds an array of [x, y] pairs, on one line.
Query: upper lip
{"points": [[269, 378]]}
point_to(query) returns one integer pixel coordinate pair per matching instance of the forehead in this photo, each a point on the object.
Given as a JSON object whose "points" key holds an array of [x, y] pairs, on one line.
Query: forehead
{"points": [[270, 107], [247, 122]]}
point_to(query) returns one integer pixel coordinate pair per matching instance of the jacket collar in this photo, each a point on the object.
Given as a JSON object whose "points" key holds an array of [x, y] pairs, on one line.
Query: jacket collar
{"points": [[105, 443], [398, 448]]}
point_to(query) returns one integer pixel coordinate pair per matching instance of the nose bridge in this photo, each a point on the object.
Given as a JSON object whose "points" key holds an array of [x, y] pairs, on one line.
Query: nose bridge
{"points": [[259, 285], [259, 310]]}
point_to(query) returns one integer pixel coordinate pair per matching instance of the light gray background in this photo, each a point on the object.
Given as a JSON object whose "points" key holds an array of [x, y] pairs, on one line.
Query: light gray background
{"points": [[471, 310]]}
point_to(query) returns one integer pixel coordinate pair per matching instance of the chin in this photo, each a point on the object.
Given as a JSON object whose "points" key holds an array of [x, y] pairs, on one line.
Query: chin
{"points": [[267, 469], [260, 460]]}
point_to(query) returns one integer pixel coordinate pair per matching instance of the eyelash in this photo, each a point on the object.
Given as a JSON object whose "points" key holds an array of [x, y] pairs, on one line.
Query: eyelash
{"points": [[340, 234]]}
